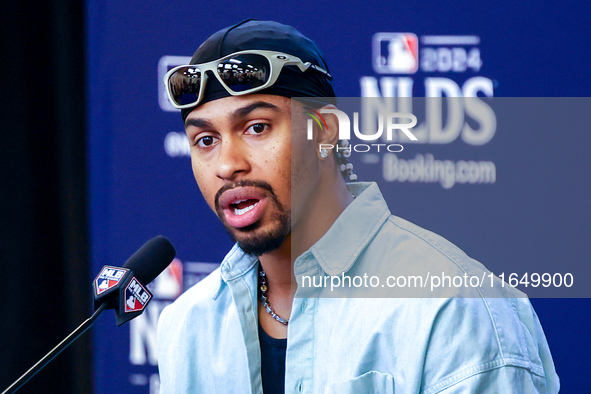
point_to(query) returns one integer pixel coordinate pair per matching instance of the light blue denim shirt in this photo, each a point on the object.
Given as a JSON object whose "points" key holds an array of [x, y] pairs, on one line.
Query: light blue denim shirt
{"points": [[353, 341]]}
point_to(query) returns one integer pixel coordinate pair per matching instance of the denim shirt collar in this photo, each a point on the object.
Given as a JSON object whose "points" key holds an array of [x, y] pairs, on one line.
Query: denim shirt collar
{"points": [[339, 247], [345, 240]]}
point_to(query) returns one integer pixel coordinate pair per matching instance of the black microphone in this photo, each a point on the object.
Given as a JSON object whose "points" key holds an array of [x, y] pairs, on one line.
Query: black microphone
{"points": [[151, 259], [121, 288], [124, 289]]}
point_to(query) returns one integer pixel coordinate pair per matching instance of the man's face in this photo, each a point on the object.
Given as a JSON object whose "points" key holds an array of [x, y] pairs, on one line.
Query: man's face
{"points": [[241, 159]]}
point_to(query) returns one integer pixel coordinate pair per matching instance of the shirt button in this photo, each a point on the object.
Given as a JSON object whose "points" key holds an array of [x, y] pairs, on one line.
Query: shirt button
{"points": [[303, 306]]}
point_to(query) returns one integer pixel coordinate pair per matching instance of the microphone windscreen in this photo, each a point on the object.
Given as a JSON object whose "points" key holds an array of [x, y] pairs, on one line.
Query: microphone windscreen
{"points": [[151, 259]]}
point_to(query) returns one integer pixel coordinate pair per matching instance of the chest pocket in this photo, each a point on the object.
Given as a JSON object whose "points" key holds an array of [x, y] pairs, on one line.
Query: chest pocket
{"points": [[371, 382]]}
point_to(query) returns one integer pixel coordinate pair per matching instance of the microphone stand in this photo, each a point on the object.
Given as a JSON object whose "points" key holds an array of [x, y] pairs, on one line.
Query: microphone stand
{"points": [[82, 328]]}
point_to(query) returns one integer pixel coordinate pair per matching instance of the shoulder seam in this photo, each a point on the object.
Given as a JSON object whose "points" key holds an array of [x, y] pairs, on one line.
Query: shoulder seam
{"points": [[435, 244], [480, 369]]}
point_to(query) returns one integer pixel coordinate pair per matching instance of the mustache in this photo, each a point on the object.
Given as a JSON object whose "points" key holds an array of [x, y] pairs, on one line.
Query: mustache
{"points": [[242, 183]]}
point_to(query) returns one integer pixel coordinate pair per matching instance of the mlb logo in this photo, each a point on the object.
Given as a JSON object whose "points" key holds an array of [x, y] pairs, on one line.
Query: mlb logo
{"points": [[136, 297], [169, 284], [108, 278], [395, 53]]}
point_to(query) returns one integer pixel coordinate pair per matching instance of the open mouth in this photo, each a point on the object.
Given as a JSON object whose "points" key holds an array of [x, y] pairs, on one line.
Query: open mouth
{"points": [[243, 206]]}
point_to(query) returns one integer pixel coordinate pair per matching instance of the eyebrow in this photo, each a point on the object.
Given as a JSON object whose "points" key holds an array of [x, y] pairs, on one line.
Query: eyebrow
{"points": [[242, 112], [201, 123], [234, 116]]}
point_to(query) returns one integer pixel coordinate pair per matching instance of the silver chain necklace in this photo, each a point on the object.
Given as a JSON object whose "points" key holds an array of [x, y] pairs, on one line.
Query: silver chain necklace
{"points": [[265, 298]]}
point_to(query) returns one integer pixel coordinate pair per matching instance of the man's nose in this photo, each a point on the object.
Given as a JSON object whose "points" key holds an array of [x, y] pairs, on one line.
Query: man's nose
{"points": [[233, 159]]}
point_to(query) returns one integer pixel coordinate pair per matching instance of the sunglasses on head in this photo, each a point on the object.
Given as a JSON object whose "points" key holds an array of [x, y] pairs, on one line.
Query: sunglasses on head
{"points": [[239, 73]]}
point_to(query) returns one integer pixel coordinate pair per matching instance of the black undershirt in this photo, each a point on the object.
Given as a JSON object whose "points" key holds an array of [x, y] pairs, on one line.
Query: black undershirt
{"points": [[272, 363]]}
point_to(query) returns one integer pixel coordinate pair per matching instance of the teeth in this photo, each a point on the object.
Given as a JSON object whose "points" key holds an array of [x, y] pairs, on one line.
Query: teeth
{"points": [[244, 210]]}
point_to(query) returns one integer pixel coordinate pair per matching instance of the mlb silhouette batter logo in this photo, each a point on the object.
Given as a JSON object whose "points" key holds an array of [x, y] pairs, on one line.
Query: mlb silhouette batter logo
{"points": [[132, 304], [169, 284], [136, 296], [395, 53], [108, 278]]}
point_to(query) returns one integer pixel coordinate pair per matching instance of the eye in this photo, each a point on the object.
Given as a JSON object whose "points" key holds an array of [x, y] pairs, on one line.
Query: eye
{"points": [[205, 141], [257, 128]]}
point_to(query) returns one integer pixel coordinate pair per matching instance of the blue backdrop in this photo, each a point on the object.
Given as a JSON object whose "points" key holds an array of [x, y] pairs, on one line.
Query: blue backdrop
{"points": [[535, 210]]}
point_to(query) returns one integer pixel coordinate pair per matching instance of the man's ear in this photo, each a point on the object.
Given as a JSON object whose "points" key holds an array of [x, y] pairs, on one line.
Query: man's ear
{"points": [[330, 133]]}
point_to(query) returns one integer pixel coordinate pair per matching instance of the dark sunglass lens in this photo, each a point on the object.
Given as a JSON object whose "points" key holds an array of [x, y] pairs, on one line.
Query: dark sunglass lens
{"points": [[184, 85], [243, 72]]}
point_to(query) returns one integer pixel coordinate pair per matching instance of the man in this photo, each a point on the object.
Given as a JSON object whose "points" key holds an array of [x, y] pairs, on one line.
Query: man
{"points": [[254, 324]]}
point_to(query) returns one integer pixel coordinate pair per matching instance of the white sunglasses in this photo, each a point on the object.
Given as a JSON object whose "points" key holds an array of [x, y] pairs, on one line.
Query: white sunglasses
{"points": [[239, 73]]}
